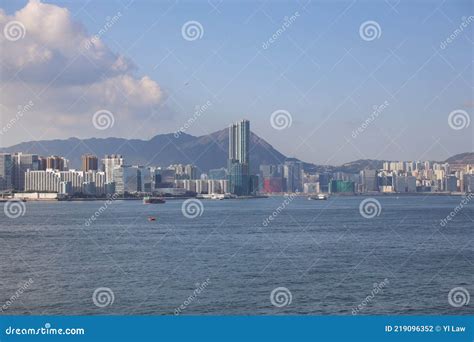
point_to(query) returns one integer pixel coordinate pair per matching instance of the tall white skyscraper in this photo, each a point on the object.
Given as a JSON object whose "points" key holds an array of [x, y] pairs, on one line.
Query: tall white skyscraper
{"points": [[239, 141], [110, 162]]}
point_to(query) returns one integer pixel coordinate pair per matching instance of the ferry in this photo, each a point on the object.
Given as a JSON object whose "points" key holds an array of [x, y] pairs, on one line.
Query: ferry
{"points": [[153, 200], [319, 197]]}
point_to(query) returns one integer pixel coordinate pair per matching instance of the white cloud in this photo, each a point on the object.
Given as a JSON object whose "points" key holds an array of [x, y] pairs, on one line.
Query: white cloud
{"points": [[67, 81]]}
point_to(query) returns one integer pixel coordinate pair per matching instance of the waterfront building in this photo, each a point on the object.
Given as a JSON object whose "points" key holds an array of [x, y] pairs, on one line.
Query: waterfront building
{"points": [[451, 183], [6, 170], [368, 179], [340, 186], [238, 168], [42, 181], [110, 163], [217, 173], [311, 188], [127, 179], [42, 163], [56, 163], [90, 163], [22, 162]]}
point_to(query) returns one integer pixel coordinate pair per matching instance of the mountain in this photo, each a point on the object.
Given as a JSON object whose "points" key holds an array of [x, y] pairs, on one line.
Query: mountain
{"points": [[463, 159], [206, 152]]}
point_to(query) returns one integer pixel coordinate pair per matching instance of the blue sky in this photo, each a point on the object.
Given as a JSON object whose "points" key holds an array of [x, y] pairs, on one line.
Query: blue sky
{"points": [[319, 70]]}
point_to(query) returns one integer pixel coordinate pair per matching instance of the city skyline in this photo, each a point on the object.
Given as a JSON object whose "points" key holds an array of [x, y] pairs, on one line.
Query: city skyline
{"points": [[400, 110], [14, 148]]}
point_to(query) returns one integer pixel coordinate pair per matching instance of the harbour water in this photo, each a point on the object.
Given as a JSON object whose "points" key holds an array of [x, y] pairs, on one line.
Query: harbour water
{"points": [[325, 256]]}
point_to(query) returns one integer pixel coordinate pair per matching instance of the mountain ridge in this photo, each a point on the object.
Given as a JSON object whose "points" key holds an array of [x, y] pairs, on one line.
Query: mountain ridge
{"points": [[205, 151]]}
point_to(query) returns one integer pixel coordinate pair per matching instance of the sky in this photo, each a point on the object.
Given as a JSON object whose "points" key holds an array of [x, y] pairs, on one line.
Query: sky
{"points": [[324, 81]]}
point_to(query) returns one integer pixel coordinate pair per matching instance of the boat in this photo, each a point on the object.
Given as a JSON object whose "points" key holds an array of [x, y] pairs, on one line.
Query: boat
{"points": [[151, 218], [153, 200], [319, 197]]}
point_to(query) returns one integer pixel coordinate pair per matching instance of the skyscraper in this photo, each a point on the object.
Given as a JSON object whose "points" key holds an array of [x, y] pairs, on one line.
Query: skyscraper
{"points": [[239, 141], [6, 168], [89, 163], [238, 164], [56, 163], [110, 162], [21, 163]]}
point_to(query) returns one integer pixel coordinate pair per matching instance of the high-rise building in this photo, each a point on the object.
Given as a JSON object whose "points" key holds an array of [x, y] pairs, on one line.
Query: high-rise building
{"points": [[56, 163], [217, 173], [22, 162], [110, 163], [238, 168], [127, 179], [239, 141], [90, 163], [369, 180], [293, 174], [6, 170]]}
